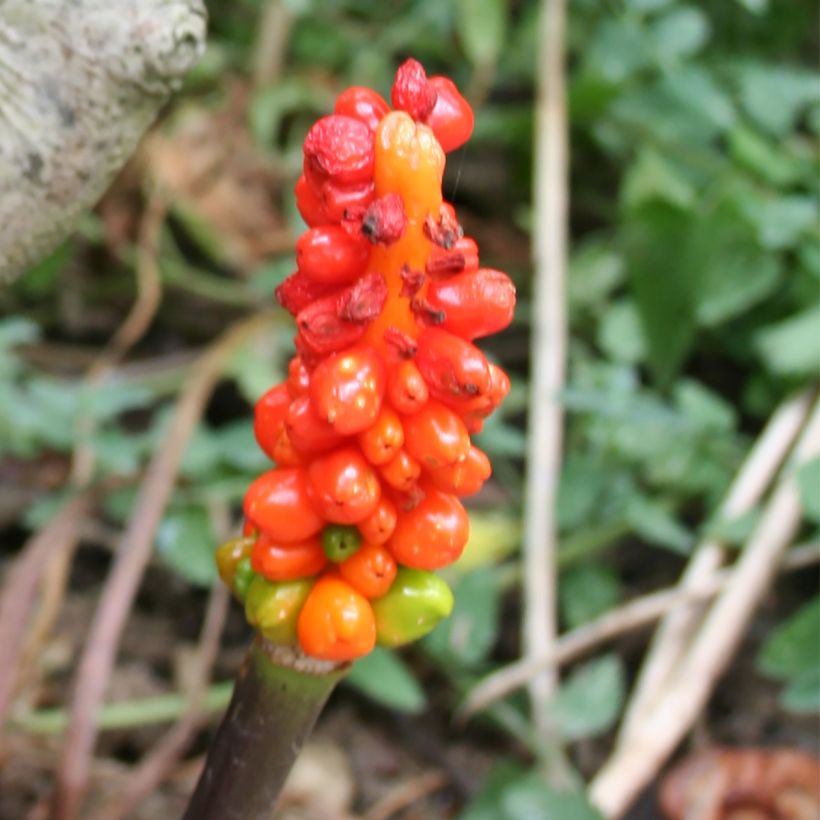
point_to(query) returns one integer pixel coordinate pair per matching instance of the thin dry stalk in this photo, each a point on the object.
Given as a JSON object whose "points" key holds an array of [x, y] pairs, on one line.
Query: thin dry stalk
{"points": [[132, 557], [19, 590], [547, 357], [632, 615], [271, 50], [405, 794], [675, 631], [636, 761], [156, 765], [131, 330]]}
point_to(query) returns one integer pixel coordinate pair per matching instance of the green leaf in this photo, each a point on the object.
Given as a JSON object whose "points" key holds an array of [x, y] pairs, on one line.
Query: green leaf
{"points": [[512, 794], [468, 635], [620, 334], [666, 302], [802, 693], [482, 28], [186, 542], [271, 104], [707, 410], [794, 646], [493, 536], [589, 701], [654, 177], [618, 48], [385, 678], [789, 348], [657, 526], [808, 482], [780, 222], [774, 96], [595, 270], [738, 278], [680, 33], [587, 591], [531, 798], [769, 161], [734, 531]]}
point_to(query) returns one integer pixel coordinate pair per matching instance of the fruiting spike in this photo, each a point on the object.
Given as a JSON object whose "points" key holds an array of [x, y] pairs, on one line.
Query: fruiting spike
{"points": [[371, 430]]}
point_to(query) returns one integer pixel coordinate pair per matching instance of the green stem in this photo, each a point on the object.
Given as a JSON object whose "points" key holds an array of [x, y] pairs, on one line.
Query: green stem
{"points": [[277, 699]]}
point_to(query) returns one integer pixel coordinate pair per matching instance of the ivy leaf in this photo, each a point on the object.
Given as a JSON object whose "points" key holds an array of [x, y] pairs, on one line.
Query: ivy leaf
{"points": [[470, 632], [385, 678], [589, 701], [482, 28], [186, 541], [789, 348], [794, 646], [808, 482]]}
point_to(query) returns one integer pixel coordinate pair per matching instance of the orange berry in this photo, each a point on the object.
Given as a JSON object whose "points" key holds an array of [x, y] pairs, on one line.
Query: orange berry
{"points": [[370, 570], [336, 622], [284, 562], [382, 441], [402, 471], [379, 525]]}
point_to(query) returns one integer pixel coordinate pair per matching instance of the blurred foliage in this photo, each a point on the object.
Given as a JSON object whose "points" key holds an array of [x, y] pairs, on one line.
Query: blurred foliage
{"points": [[693, 295]]}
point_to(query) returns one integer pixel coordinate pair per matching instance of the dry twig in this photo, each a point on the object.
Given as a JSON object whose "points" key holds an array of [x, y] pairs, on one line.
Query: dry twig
{"points": [[406, 794], [21, 585], [675, 631], [547, 357], [154, 768], [612, 624], [637, 759], [131, 559]]}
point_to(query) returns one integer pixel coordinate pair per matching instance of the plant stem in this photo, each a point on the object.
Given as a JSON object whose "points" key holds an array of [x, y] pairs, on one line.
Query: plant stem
{"points": [[278, 697]]}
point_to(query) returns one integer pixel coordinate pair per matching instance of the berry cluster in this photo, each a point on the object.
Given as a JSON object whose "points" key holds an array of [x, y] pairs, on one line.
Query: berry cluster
{"points": [[371, 430]]}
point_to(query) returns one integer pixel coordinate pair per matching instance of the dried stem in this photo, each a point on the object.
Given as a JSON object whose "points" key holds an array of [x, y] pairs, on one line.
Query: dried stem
{"points": [[278, 697], [675, 631], [547, 357], [610, 625], [18, 593], [132, 557], [153, 769], [637, 759]]}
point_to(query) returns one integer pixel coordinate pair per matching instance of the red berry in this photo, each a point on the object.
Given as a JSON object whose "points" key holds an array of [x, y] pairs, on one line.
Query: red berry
{"points": [[474, 304], [269, 418], [433, 534], [308, 432], [299, 291], [461, 258], [338, 200], [384, 221], [464, 477], [338, 149], [277, 503], [411, 91], [330, 255], [343, 486], [406, 388], [455, 370], [436, 436], [309, 203], [362, 104], [347, 389], [452, 117]]}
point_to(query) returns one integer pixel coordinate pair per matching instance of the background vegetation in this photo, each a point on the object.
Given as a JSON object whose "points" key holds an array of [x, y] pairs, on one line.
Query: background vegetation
{"points": [[693, 299]]}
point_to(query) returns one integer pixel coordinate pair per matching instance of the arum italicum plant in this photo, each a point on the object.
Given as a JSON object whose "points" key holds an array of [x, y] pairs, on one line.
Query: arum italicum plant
{"points": [[370, 433]]}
